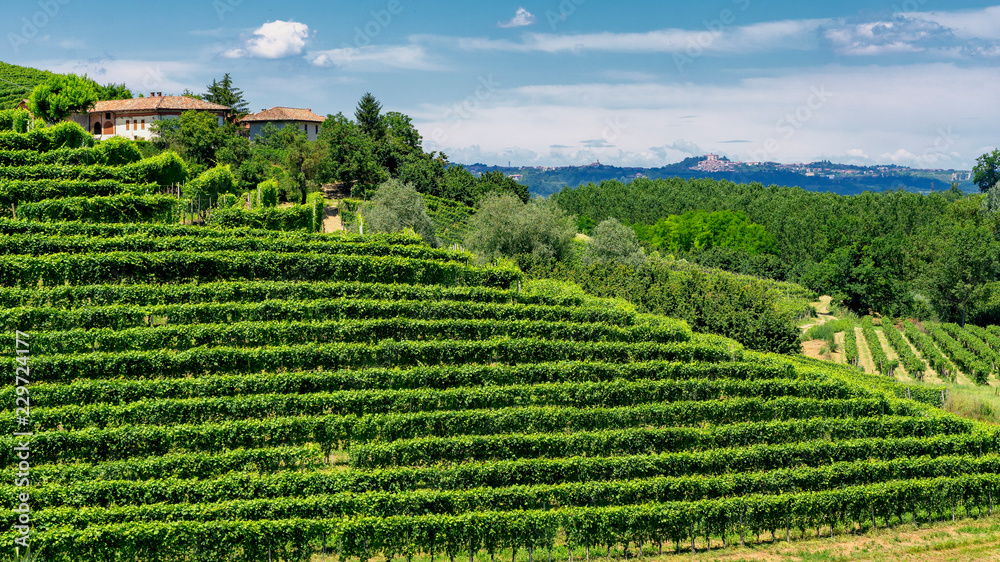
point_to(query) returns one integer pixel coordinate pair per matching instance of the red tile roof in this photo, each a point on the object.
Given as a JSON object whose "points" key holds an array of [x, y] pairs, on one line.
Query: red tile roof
{"points": [[284, 114], [167, 103]]}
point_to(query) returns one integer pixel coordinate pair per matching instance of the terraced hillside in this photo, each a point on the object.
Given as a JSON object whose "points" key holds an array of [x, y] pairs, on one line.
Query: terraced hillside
{"points": [[201, 394], [16, 83]]}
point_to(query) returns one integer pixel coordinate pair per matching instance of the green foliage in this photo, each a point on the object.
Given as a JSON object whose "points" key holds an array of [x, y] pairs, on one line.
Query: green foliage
{"points": [[851, 354], [112, 208], [14, 120], [368, 115], [925, 345], [223, 92], [710, 302], [986, 172], [913, 364], [18, 82], [62, 95], [63, 135], [291, 218], [113, 91], [963, 256], [504, 226], [352, 156], [614, 243], [861, 249], [394, 207], [701, 230], [196, 136], [25, 191], [206, 189], [881, 361], [266, 195], [117, 151]]}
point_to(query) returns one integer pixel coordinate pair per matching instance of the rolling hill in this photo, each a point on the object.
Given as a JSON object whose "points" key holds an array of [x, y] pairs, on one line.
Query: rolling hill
{"points": [[202, 394], [16, 83]]}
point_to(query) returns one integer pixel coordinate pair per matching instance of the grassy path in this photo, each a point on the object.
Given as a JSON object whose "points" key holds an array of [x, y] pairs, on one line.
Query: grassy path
{"points": [[864, 354]]}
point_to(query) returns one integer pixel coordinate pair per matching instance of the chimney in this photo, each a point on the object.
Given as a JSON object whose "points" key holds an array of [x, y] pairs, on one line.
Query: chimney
{"points": [[152, 94], [159, 94]]}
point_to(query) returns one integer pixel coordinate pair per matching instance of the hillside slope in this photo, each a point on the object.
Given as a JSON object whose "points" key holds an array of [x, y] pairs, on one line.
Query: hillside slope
{"points": [[17, 82], [213, 394]]}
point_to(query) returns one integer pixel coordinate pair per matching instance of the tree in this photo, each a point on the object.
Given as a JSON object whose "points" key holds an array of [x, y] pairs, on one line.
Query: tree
{"points": [[62, 95], [613, 242], [223, 92], [396, 206], [369, 117], [497, 182], [986, 173], [504, 226], [963, 258], [350, 156], [196, 135], [113, 92]]}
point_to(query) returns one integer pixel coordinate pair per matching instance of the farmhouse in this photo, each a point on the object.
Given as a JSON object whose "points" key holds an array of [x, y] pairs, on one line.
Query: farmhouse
{"points": [[132, 118], [302, 119]]}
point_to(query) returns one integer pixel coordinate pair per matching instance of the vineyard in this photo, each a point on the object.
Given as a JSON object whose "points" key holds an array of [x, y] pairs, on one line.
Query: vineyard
{"points": [[926, 351], [196, 393], [16, 83]]}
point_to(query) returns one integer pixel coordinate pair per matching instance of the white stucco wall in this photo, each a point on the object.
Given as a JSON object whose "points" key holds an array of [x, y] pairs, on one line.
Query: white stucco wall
{"points": [[311, 129]]}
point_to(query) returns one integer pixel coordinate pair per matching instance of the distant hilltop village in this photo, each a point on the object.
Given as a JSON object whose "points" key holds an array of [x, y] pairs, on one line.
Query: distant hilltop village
{"points": [[712, 163], [715, 164]]}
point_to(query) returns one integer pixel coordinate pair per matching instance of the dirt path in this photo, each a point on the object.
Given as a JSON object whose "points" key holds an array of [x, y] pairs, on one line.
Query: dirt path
{"points": [[823, 316], [813, 348], [331, 219], [864, 354], [890, 353]]}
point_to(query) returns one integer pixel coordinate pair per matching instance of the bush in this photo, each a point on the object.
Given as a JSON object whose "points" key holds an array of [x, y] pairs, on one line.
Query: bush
{"points": [[394, 207], [14, 120], [210, 185], [613, 242], [503, 226], [266, 195], [117, 151]]}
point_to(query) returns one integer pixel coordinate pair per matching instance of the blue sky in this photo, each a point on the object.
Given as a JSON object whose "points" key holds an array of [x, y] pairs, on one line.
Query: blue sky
{"points": [[566, 82]]}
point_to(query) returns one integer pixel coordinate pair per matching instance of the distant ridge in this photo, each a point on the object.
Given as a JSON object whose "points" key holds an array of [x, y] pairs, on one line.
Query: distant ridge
{"points": [[842, 179]]}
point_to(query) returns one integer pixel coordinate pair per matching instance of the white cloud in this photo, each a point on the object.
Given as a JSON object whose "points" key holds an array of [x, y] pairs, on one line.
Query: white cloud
{"points": [[273, 40], [889, 108], [142, 76], [522, 18], [967, 24], [789, 34], [374, 58], [902, 34]]}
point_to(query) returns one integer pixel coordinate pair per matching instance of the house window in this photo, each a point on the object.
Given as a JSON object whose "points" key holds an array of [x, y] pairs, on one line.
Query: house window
{"points": [[107, 116], [143, 124], [317, 129], [126, 125]]}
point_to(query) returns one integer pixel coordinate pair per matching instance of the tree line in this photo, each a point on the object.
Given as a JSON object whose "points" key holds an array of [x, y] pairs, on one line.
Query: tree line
{"points": [[896, 253]]}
